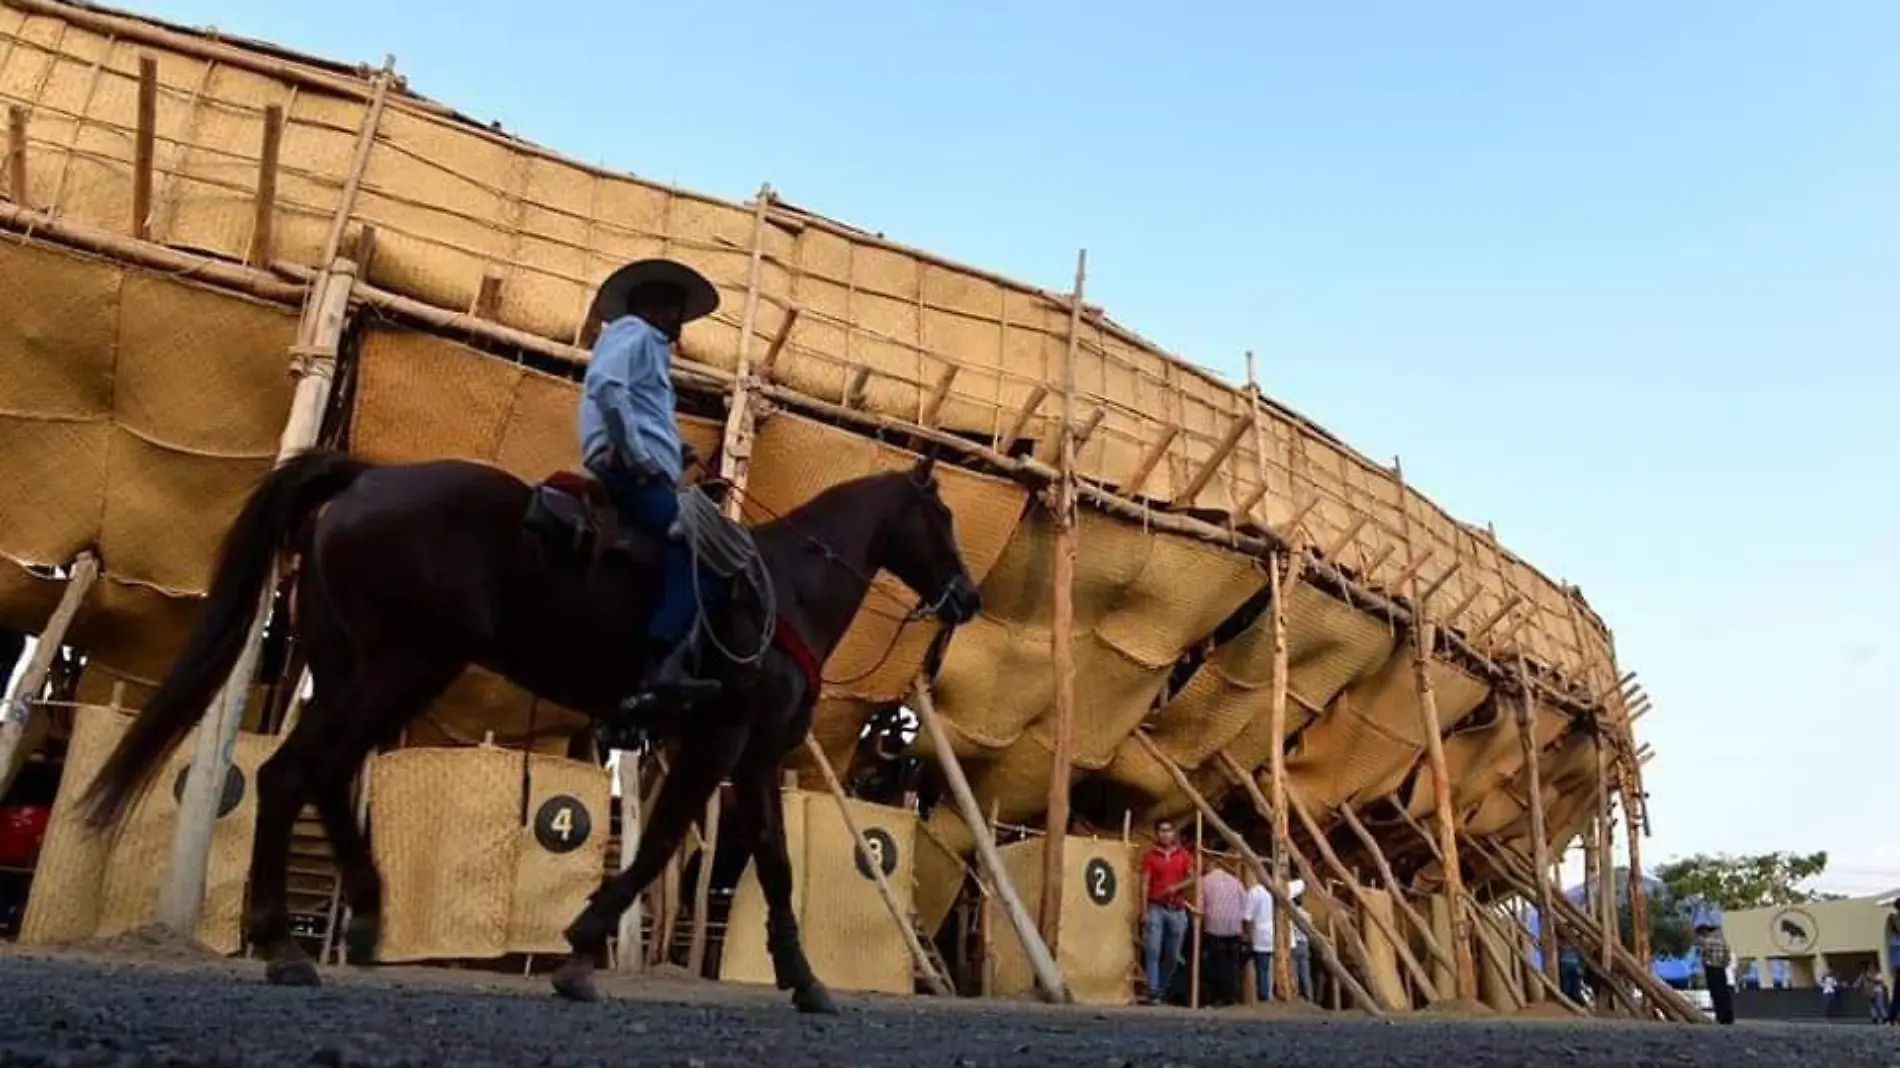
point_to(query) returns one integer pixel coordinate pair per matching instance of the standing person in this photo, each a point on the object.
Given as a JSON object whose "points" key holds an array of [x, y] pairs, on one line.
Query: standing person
{"points": [[1302, 957], [1258, 911], [1223, 911], [1893, 961], [1713, 949], [1167, 871]]}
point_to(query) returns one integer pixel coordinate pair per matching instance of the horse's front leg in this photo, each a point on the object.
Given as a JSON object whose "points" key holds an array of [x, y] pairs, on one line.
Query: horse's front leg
{"points": [[704, 759], [763, 809]]}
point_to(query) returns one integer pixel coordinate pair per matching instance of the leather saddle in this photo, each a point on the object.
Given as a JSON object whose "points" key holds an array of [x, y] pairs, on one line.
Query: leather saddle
{"points": [[572, 513]]}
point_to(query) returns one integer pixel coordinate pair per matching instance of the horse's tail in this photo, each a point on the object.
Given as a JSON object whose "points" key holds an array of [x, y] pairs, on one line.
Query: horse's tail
{"points": [[272, 515]]}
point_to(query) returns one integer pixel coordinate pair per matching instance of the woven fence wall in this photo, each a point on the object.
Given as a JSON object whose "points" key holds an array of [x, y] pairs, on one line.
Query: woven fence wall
{"points": [[136, 412], [453, 201], [1101, 911]]}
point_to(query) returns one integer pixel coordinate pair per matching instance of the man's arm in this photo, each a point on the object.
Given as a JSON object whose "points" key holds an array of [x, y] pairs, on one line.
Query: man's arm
{"points": [[622, 362]]}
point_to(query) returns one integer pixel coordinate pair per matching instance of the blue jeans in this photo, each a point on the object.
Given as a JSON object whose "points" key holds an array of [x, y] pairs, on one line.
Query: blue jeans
{"points": [[1263, 974], [652, 506], [1163, 933], [1303, 970]]}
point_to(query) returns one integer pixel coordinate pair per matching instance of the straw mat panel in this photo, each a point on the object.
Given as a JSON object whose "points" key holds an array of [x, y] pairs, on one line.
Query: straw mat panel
{"points": [[97, 886], [445, 831], [562, 850], [847, 932], [1101, 907], [1373, 733]]}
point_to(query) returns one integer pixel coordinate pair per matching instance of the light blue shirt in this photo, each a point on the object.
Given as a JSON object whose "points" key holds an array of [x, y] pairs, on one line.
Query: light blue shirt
{"points": [[627, 400]]}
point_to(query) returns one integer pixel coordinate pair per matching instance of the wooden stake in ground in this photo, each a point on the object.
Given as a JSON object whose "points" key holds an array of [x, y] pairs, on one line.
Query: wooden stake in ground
{"points": [[1418, 921], [1400, 946], [1062, 635], [33, 679], [1041, 961], [1276, 771], [1360, 996], [1445, 810], [702, 891], [629, 955], [939, 984], [314, 362]]}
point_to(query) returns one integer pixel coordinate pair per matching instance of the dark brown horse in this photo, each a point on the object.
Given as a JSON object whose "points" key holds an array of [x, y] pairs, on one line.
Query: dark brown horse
{"points": [[409, 573]]}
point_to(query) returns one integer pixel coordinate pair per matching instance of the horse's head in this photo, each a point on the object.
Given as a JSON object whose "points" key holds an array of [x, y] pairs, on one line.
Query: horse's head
{"points": [[921, 547]]}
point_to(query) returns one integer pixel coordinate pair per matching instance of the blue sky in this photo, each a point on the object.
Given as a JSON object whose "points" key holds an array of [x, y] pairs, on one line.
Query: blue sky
{"points": [[1622, 278]]}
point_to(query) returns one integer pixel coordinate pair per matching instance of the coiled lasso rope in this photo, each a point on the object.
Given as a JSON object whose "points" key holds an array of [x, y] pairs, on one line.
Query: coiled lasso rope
{"points": [[728, 549]]}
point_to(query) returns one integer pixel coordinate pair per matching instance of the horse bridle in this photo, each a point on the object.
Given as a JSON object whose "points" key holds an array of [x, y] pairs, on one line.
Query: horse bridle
{"points": [[922, 610]]}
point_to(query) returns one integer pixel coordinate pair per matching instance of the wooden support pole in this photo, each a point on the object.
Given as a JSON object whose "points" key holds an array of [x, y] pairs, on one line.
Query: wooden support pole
{"points": [[16, 156], [1341, 543], [1550, 985], [145, 147], [1290, 529], [763, 369], [629, 954], [1372, 566], [1438, 584], [264, 206], [313, 362], [1360, 996], [1445, 810], [1418, 921], [1089, 426], [33, 679], [939, 392], [1151, 459], [1404, 578], [702, 890], [1540, 838], [855, 389], [1400, 945], [1062, 636], [921, 960], [488, 296], [1041, 961], [1037, 394], [1606, 855], [1200, 912], [1478, 632], [735, 446], [1638, 891], [1205, 473], [1659, 995], [1278, 689], [1451, 614]]}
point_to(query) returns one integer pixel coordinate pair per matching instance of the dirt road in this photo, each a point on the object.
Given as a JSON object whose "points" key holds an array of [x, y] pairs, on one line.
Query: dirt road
{"points": [[78, 1011]]}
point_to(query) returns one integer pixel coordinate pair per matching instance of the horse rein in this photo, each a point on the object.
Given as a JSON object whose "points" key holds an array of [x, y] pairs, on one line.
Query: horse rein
{"points": [[920, 611]]}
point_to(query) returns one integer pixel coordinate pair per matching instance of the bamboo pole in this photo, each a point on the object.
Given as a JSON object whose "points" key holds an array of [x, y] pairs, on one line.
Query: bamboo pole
{"points": [[939, 984], [1276, 773], [16, 156], [145, 147], [1328, 958], [1418, 921], [1606, 855], [1661, 997], [702, 888], [180, 265], [630, 956], [1041, 961], [1534, 793], [1205, 473], [1445, 809], [1200, 905], [181, 897], [264, 210], [1031, 403], [1400, 945], [85, 572], [1549, 984], [1151, 459], [1062, 637]]}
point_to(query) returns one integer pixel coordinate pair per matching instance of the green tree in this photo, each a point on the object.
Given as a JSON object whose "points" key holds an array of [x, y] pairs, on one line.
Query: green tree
{"points": [[1743, 882]]}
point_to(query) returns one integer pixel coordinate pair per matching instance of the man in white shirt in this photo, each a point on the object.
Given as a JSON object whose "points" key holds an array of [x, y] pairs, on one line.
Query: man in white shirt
{"points": [[1257, 910]]}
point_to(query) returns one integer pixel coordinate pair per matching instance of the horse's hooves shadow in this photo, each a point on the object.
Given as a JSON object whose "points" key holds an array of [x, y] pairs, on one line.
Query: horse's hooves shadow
{"points": [[292, 973], [574, 984], [815, 1000]]}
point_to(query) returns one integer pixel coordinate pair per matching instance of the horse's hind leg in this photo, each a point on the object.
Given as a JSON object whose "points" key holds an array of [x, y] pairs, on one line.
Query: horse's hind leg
{"points": [[389, 697], [762, 809], [282, 783], [704, 759]]}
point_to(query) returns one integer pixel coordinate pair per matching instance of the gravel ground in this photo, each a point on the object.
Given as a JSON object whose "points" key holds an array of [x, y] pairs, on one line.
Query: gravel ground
{"points": [[74, 1010]]}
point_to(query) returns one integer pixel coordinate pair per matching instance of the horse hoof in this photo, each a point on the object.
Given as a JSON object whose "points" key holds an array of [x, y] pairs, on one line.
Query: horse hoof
{"points": [[576, 983], [292, 973], [361, 940], [814, 999]]}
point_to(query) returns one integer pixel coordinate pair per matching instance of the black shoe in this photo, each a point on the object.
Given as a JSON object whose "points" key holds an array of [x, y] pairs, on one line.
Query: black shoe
{"points": [[668, 683]]}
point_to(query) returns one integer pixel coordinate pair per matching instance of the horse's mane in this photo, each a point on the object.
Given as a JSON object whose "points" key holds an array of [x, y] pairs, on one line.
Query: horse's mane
{"points": [[824, 508]]}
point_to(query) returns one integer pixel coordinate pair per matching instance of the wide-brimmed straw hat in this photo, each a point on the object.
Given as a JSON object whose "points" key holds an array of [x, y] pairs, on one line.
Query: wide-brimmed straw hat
{"points": [[701, 298]]}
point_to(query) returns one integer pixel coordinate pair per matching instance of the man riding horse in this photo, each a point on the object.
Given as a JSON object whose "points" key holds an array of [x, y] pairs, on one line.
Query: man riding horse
{"points": [[630, 443]]}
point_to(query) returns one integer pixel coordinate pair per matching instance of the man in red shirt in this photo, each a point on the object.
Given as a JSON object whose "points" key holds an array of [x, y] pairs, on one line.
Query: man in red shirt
{"points": [[1167, 870]]}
